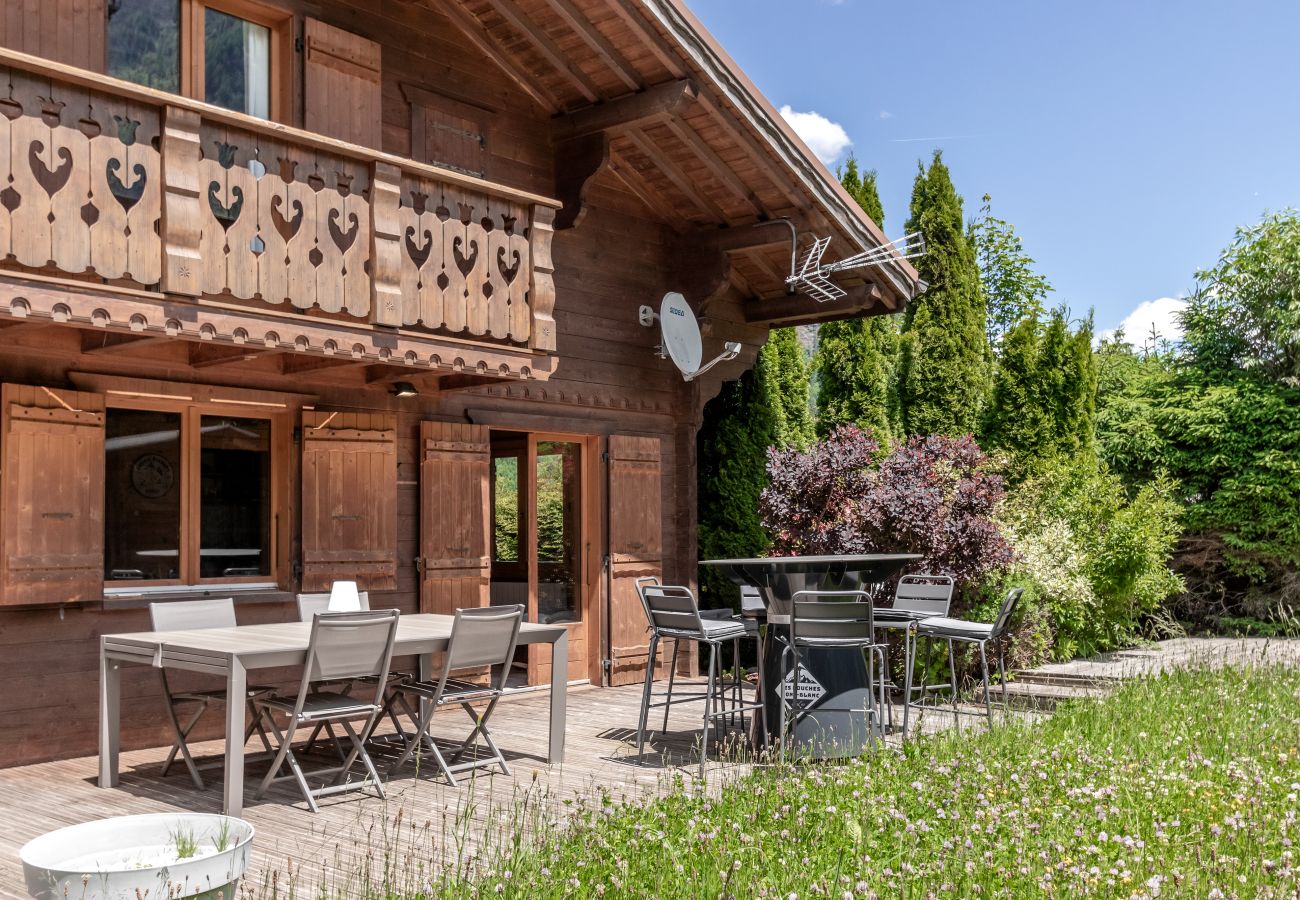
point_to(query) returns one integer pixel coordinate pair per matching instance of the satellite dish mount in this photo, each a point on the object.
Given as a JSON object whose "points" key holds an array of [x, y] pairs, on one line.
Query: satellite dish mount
{"points": [[680, 336]]}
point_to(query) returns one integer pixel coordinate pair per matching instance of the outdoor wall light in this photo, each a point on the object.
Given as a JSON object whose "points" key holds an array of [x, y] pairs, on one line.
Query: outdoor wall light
{"points": [[403, 389]]}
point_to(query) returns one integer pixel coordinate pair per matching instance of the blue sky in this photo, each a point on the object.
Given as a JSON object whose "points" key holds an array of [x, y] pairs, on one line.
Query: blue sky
{"points": [[1124, 140]]}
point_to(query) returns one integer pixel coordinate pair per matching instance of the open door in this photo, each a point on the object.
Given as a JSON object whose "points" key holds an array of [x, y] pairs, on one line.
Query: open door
{"points": [[635, 549], [455, 556]]}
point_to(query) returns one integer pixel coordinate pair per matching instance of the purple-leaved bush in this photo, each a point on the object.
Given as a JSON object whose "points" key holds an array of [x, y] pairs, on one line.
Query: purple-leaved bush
{"points": [[933, 496]]}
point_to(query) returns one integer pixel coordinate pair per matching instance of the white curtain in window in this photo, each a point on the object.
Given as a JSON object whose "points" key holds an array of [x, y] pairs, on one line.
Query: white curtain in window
{"points": [[257, 70]]}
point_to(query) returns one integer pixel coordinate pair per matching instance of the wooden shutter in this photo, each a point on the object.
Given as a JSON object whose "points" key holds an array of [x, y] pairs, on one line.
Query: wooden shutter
{"points": [[66, 31], [456, 556], [349, 500], [448, 132], [52, 496], [635, 547], [342, 85]]}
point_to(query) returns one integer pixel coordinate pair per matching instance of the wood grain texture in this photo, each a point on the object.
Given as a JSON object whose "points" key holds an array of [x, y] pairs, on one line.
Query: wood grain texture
{"points": [[342, 79], [51, 496], [455, 553], [349, 500], [636, 547]]}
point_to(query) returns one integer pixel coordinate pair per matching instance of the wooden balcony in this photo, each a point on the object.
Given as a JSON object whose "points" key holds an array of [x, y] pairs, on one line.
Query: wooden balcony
{"points": [[215, 226]]}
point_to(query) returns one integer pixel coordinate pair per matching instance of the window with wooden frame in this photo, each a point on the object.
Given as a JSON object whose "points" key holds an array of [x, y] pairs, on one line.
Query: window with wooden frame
{"points": [[193, 493], [231, 53]]}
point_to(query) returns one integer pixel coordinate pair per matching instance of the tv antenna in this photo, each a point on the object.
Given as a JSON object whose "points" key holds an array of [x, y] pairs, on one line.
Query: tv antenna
{"points": [[680, 336], [814, 276]]}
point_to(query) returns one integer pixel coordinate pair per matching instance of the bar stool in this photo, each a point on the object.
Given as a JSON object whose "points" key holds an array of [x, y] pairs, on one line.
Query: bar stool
{"points": [[673, 614], [840, 620], [917, 597], [980, 634]]}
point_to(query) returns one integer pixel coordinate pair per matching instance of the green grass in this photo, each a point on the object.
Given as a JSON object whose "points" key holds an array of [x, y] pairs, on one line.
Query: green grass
{"points": [[1180, 786]]}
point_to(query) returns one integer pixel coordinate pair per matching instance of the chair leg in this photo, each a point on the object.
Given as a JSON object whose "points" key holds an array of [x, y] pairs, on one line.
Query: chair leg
{"points": [[645, 699], [708, 708], [423, 722], [283, 755], [179, 743], [761, 709], [672, 673], [480, 728], [1002, 676], [907, 678], [359, 752], [782, 704], [952, 680], [984, 672]]}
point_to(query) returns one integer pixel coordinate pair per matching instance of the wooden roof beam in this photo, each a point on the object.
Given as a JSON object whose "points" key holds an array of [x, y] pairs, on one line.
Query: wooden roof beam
{"points": [[674, 173], [600, 45], [534, 34], [715, 164], [487, 44], [645, 193], [659, 48], [801, 309], [747, 142], [667, 99]]}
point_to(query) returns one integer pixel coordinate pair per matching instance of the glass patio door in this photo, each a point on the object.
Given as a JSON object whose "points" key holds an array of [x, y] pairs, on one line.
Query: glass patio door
{"points": [[540, 546]]}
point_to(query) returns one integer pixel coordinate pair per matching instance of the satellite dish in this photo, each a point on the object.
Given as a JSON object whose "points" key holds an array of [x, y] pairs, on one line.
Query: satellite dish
{"points": [[680, 336], [681, 333]]}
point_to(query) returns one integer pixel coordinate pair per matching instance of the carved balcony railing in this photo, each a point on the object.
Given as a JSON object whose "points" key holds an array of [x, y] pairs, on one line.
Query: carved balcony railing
{"points": [[158, 192]]}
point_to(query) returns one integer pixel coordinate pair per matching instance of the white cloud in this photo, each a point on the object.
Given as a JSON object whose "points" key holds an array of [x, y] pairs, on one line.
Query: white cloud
{"points": [[825, 138], [886, 114], [1160, 314]]}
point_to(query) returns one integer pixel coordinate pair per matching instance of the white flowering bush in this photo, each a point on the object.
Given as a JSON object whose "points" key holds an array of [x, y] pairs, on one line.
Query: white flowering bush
{"points": [[1094, 562]]}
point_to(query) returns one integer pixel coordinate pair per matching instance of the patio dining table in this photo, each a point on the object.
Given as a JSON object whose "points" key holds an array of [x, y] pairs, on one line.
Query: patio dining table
{"points": [[833, 683], [233, 652]]}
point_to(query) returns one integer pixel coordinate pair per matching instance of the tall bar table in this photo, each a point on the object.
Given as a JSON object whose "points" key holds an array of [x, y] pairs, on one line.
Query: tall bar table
{"points": [[834, 682]]}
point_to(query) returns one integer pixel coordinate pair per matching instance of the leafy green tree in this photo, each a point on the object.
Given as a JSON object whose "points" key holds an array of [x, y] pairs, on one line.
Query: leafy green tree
{"points": [[944, 370], [1246, 313], [785, 367], [856, 363], [1012, 289]]}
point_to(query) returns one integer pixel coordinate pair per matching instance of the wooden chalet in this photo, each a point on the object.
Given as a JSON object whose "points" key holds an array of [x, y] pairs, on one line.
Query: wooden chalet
{"points": [[300, 290]]}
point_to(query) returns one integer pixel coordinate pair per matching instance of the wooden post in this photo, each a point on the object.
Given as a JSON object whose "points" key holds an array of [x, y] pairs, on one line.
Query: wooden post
{"points": [[182, 197], [541, 288], [386, 299]]}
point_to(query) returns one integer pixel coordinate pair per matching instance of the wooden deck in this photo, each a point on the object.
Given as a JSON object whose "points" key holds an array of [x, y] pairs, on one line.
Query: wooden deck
{"points": [[437, 825]]}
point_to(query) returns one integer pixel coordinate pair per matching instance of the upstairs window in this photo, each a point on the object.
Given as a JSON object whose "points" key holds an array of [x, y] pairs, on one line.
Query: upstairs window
{"points": [[229, 53]]}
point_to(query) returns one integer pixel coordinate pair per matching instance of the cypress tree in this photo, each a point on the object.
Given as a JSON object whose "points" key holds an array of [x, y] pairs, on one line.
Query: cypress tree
{"points": [[765, 407], [861, 186], [944, 370], [785, 367], [856, 359], [1015, 419], [1043, 402]]}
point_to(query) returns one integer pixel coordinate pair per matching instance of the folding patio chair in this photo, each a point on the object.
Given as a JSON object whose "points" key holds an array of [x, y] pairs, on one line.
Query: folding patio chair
{"points": [[188, 615], [836, 620], [480, 637], [344, 646], [980, 634]]}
